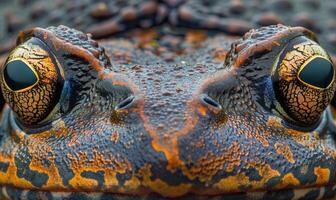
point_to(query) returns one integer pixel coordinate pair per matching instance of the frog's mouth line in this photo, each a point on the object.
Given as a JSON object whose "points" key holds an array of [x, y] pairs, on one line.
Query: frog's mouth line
{"points": [[325, 192]]}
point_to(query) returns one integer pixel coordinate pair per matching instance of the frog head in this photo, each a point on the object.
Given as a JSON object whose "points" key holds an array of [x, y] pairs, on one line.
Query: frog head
{"points": [[101, 120]]}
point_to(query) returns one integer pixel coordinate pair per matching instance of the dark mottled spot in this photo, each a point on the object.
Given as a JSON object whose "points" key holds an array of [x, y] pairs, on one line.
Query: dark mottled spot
{"points": [[273, 182], [78, 196], [308, 177], [64, 170], [254, 175], [98, 176], [4, 166], [45, 162], [123, 177], [22, 162], [32, 195], [281, 195], [1, 195], [14, 193], [329, 192], [312, 195]]}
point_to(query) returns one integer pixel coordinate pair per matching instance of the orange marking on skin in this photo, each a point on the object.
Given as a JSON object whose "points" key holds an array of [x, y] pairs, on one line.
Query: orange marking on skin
{"points": [[18, 134], [257, 132], [80, 182], [265, 171], [161, 187], [284, 150], [202, 110], [322, 174], [275, 122], [111, 180], [236, 183], [268, 44], [261, 135], [308, 139], [73, 141], [209, 164], [115, 136], [80, 163], [119, 80], [232, 184], [276, 43], [39, 149], [59, 130], [10, 177], [169, 145], [311, 140], [70, 48], [132, 184], [79, 52], [287, 181]]}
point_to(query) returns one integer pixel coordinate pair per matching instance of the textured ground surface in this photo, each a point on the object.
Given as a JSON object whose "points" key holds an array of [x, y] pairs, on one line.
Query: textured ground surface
{"points": [[104, 18]]}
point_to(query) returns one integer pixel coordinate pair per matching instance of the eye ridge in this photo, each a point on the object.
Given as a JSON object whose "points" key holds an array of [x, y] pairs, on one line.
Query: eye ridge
{"points": [[15, 85], [315, 74]]}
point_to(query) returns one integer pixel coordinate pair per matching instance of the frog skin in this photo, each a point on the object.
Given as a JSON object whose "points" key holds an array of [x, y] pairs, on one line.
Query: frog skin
{"points": [[115, 121]]}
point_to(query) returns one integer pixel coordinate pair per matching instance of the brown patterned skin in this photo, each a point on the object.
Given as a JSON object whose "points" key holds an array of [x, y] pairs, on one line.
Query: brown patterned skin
{"points": [[132, 124]]}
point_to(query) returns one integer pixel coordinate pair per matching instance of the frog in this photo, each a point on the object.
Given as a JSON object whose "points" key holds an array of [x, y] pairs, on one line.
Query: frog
{"points": [[194, 117]]}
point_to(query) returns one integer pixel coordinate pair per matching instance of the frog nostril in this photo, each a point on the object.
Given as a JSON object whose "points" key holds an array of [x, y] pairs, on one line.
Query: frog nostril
{"points": [[210, 102], [125, 103]]}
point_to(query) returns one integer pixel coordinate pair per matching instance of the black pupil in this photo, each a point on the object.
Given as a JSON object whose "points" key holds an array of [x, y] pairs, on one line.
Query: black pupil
{"points": [[18, 75], [319, 72]]}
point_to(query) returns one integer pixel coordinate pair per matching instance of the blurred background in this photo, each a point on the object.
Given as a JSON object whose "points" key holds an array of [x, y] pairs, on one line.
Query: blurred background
{"points": [[115, 17]]}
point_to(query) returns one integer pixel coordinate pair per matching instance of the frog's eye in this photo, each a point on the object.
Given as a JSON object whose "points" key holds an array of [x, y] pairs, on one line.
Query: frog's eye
{"points": [[31, 81], [19, 76], [317, 72], [304, 81]]}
